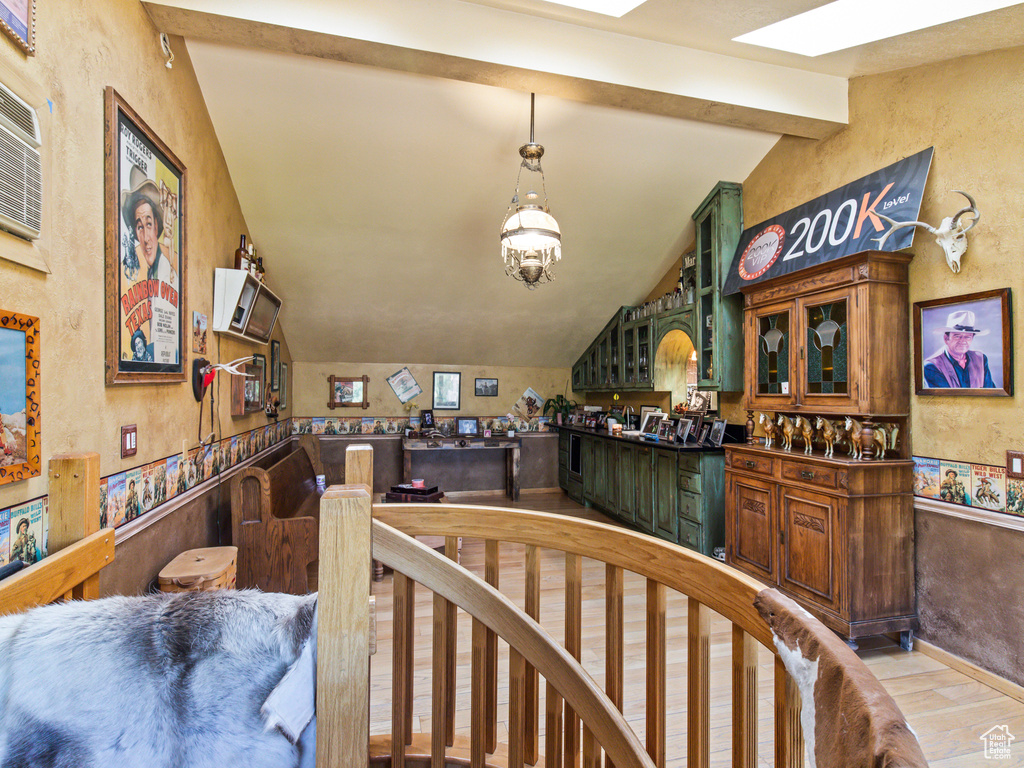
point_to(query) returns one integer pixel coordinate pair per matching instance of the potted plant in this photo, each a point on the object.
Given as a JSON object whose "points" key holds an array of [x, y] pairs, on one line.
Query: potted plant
{"points": [[560, 407]]}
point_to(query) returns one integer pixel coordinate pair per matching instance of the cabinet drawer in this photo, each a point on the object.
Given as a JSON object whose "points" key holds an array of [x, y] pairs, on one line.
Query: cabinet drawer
{"points": [[812, 474], [689, 506], [689, 534], [576, 489], [749, 462], [690, 462], [689, 481]]}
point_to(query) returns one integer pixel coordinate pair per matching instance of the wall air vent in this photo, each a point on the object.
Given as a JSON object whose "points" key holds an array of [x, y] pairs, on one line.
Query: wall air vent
{"points": [[21, 175]]}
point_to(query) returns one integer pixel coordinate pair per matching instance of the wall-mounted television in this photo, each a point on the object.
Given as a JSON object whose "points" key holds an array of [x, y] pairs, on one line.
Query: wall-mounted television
{"points": [[243, 306]]}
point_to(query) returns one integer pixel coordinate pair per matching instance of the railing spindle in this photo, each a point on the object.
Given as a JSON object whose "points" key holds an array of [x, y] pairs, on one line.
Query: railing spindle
{"points": [[656, 672], [698, 685], [531, 607], [403, 622], [591, 750], [573, 644], [744, 699], [516, 708], [491, 688], [613, 639], [478, 715], [789, 742], [553, 741], [451, 551], [439, 684]]}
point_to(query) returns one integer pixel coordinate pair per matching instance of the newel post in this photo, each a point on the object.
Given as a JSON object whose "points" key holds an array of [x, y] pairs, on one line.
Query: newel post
{"points": [[343, 631], [74, 498]]}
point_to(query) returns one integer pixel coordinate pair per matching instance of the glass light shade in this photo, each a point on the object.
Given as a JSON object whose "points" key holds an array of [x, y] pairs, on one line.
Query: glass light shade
{"points": [[531, 228]]}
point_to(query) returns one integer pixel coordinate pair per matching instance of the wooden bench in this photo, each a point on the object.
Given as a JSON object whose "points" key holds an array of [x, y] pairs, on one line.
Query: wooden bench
{"points": [[275, 521]]}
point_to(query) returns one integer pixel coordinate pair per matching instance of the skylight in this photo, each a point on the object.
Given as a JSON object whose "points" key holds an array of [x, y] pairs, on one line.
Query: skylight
{"points": [[616, 8], [847, 23]]}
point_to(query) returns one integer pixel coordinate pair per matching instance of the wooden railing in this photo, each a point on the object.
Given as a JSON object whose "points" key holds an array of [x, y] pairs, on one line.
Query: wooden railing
{"points": [[581, 724]]}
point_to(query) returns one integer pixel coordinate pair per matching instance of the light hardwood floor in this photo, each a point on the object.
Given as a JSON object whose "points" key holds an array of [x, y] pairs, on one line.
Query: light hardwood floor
{"points": [[948, 710]]}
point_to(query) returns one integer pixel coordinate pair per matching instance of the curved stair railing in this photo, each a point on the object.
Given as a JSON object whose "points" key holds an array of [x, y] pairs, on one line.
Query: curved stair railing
{"points": [[850, 718]]}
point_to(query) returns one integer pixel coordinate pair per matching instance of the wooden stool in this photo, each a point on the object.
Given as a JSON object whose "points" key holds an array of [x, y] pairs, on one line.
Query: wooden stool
{"points": [[200, 570]]}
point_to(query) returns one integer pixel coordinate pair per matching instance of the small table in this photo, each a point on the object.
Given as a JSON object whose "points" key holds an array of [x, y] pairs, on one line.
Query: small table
{"points": [[511, 445]]}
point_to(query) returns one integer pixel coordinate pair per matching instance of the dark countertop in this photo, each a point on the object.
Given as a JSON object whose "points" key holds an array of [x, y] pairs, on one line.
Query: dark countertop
{"points": [[682, 448]]}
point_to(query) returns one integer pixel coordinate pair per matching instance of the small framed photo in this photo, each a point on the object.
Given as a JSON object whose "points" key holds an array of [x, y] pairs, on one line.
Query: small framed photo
{"points": [[698, 422], [698, 401], [487, 433], [283, 392], [447, 385], [704, 434], [651, 421], [683, 428], [666, 430], [717, 433], [427, 419], [485, 388], [467, 426], [963, 345]]}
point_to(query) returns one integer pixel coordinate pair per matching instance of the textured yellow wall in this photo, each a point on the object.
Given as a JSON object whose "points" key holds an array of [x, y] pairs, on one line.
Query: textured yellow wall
{"points": [[84, 46], [970, 110], [310, 382]]}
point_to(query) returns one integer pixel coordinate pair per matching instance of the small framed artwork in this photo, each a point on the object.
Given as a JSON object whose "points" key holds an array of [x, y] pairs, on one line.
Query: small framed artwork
{"points": [[283, 393], [146, 262], [255, 385], [345, 392], [717, 433], [666, 430], [651, 422], [275, 365], [18, 21], [199, 333], [20, 456], [704, 434], [963, 345], [447, 386], [485, 388], [683, 427], [427, 419], [467, 426], [698, 422], [404, 385]]}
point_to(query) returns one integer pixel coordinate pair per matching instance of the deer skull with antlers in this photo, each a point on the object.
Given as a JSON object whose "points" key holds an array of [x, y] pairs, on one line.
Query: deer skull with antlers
{"points": [[950, 234]]}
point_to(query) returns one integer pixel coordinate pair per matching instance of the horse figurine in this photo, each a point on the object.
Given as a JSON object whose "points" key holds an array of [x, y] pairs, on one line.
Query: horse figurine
{"points": [[768, 425], [828, 433], [880, 440], [853, 429], [804, 427], [787, 430]]}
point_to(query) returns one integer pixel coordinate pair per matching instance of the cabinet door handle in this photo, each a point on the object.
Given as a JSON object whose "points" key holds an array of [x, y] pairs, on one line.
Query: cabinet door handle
{"points": [[807, 475], [750, 464]]}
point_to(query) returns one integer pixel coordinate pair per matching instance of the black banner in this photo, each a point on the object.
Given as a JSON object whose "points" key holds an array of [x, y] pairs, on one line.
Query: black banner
{"points": [[839, 223]]}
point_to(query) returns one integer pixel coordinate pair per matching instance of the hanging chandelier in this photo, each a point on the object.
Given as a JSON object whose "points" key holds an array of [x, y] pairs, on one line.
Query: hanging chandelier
{"points": [[530, 239]]}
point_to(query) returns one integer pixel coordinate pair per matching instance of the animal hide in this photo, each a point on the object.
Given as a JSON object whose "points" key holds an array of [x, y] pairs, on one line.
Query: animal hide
{"points": [[853, 721], [161, 681]]}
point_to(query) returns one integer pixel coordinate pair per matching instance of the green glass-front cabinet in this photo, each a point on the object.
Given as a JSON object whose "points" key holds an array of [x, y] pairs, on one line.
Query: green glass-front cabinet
{"points": [[719, 319]]}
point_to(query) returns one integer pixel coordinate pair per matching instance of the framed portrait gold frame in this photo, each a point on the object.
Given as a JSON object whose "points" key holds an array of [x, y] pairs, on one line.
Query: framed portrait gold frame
{"points": [[19, 346]]}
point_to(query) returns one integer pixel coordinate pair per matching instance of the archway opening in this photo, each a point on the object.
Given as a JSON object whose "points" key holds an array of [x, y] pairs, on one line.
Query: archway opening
{"points": [[675, 366]]}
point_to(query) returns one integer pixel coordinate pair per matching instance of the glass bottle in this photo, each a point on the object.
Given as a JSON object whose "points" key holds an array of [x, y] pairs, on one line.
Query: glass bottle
{"points": [[242, 256]]}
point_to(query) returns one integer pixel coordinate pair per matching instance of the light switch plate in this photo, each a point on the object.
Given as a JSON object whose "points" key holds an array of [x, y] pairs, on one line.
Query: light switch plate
{"points": [[1015, 464], [129, 441]]}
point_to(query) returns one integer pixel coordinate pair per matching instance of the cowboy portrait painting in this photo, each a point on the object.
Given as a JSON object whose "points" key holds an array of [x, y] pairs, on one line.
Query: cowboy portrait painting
{"points": [[963, 345], [145, 259]]}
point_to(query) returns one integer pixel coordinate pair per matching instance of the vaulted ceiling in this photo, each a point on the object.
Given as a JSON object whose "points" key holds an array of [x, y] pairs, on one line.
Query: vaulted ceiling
{"points": [[373, 145]]}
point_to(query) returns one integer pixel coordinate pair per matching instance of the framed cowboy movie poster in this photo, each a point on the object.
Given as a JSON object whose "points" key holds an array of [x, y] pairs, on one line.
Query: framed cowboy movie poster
{"points": [[146, 264]]}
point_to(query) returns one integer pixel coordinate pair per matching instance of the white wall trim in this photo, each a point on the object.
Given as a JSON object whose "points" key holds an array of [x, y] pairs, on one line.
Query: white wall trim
{"points": [[974, 514]]}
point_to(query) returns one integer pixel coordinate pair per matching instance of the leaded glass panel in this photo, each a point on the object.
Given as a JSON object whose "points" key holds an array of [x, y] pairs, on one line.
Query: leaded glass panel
{"points": [[827, 355], [773, 354]]}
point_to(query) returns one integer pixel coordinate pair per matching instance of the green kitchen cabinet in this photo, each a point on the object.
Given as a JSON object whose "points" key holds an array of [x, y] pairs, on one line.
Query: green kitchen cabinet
{"points": [[644, 501], [718, 319], [665, 493], [626, 484]]}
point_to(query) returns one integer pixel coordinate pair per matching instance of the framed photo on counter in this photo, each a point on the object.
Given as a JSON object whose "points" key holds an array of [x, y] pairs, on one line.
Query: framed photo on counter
{"points": [[683, 428], [717, 432]]}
